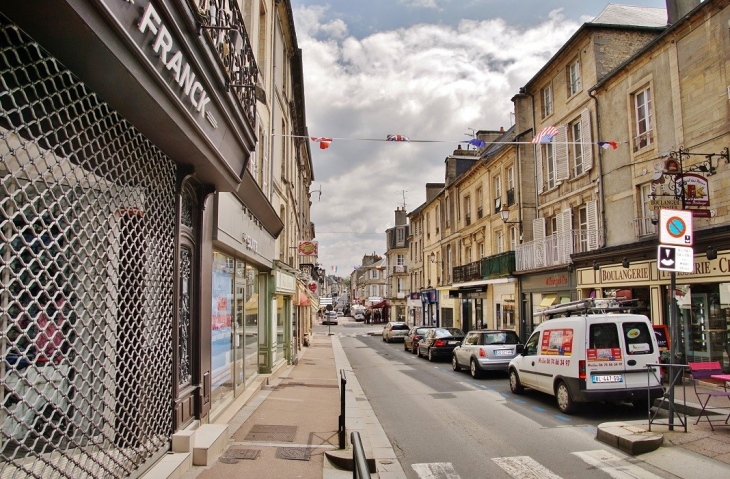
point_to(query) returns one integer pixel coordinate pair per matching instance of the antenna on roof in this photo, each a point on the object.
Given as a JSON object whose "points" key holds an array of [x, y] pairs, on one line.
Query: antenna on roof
{"points": [[472, 132], [403, 192]]}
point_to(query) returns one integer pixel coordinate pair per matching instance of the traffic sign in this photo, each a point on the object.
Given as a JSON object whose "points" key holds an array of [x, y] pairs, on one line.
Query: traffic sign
{"points": [[675, 258], [675, 227]]}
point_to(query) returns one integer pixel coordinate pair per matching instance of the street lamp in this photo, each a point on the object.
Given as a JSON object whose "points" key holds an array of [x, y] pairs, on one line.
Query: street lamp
{"points": [[433, 258], [504, 213]]}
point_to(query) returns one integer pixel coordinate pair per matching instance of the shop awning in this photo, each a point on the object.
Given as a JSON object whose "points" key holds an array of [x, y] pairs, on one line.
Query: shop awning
{"points": [[382, 304], [482, 282], [548, 300], [303, 299]]}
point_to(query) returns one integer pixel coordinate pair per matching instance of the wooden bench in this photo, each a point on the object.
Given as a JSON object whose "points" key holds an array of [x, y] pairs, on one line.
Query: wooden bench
{"points": [[704, 372]]}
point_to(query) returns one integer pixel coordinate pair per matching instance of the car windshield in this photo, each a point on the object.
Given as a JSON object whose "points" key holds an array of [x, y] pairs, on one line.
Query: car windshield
{"points": [[500, 338], [445, 332], [400, 327]]}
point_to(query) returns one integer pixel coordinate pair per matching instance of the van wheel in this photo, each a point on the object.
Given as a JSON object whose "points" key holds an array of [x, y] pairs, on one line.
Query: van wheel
{"points": [[514, 382], [455, 363], [474, 370], [565, 402]]}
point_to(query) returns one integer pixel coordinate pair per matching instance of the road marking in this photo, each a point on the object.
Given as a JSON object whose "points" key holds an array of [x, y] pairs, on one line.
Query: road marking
{"points": [[538, 408], [435, 470], [524, 467], [614, 466], [562, 418]]}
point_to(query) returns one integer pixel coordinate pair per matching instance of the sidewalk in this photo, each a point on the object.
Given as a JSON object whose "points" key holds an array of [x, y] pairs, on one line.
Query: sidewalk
{"points": [[290, 427], [286, 429]]}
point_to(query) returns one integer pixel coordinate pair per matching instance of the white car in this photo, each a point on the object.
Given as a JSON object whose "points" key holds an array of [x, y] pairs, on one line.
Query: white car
{"points": [[330, 317]]}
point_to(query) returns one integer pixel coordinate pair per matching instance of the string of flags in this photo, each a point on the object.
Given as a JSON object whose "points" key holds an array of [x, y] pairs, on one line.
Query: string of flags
{"points": [[545, 136]]}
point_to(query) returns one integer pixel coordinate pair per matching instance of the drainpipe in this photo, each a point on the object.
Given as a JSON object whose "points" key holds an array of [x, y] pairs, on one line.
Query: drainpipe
{"points": [[601, 200]]}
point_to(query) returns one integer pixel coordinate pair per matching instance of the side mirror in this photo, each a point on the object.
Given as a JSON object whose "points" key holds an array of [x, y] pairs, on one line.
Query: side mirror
{"points": [[520, 348]]}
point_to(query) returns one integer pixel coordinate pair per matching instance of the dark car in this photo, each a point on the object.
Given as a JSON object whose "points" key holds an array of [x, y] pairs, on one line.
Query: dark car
{"points": [[439, 343], [486, 350], [410, 342]]}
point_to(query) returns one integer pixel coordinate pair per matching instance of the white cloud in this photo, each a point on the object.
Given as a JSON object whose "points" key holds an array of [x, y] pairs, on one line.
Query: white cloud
{"points": [[428, 82]]}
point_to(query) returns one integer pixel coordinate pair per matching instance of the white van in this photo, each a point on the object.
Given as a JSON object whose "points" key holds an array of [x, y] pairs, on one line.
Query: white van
{"points": [[594, 352]]}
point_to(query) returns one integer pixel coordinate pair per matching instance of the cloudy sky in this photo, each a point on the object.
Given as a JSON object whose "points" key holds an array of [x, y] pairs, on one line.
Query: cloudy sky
{"points": [[428, 69]]}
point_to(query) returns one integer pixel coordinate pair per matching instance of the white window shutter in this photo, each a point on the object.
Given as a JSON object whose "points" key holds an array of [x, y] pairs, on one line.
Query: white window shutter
{"points": [[585, 131], [538, 233], [592, 224], [566, 234], [538, 167], [561, 154]]}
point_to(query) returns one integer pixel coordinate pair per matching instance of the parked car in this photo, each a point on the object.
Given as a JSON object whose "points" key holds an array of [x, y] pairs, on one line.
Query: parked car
{"points": [[486, 350], [439, 343], [590, 356], [340, 314], [395, 331], [359, 317], [330, 317], [410, 342]]}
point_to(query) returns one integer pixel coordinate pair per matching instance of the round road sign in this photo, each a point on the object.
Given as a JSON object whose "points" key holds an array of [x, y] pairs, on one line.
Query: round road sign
{"points": [[676, 227]]}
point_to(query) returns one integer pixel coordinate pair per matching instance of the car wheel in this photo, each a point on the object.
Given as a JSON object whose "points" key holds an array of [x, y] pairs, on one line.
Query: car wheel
{"points": [[565, 402], [430, 355], [514, 382], [474, 370], [455, 363]]}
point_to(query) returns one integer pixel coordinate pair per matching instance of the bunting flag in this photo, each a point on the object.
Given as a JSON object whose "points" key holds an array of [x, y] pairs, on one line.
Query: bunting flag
{"points": [[397, 138], [546, 135], [608, 144], [324, 142], [475, 142]]}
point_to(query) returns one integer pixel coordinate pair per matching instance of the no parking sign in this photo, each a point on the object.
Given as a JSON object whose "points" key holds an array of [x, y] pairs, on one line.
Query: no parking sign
{"points": [[675, 227]]}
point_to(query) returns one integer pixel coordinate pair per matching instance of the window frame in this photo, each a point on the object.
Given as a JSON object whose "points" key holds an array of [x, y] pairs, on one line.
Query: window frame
{"points": [[546, 99], [643, 118], [549, 158], [575, 84], [577, 147]]}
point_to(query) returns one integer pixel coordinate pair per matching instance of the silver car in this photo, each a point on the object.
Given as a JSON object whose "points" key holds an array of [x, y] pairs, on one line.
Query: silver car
{"points": [[486, 350], [395, 331]]}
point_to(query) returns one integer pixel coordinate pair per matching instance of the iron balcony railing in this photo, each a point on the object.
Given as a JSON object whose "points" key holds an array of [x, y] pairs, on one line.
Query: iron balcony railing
{"points": [[556, 249], [644, 227], [400, 269], [468, 272], [498, 265], [221, 22]]}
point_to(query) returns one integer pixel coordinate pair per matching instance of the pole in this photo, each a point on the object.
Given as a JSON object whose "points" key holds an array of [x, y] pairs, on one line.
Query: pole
{"points": [[674, 338]]}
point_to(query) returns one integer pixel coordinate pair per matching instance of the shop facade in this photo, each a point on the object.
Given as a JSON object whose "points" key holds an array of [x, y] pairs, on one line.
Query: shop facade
{"points": [[281, 347], [703, 300], [431, 315], [542, 290], [110, 161]]}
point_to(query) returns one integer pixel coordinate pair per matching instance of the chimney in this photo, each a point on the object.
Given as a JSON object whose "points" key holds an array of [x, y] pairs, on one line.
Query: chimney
{"points": [[676, 9], [400, 216]]}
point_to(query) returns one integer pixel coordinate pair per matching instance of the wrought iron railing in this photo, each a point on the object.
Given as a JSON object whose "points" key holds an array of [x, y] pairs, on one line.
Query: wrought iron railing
{"points": [[498, 265], [556, 249], [221, 23], [644, 227], [468, 272]]}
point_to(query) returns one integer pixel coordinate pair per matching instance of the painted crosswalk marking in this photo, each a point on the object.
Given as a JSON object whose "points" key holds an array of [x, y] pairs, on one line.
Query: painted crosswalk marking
{"points": [[614, 466], [435, 470], [524, 467]]}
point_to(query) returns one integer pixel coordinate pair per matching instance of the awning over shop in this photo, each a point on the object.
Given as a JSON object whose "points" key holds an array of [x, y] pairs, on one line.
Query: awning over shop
{"points": [[382, 304], [548, 300], [482, 282], [303, 299]]}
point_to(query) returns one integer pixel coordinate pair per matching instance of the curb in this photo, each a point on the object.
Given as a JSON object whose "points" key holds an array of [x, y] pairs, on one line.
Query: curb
{"points": [[631, 439], [342, 458]]}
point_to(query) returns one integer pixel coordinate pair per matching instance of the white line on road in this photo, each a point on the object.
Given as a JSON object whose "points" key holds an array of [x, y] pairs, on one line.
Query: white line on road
{"points": [[524, 467], [435, 470], [614, 466]]}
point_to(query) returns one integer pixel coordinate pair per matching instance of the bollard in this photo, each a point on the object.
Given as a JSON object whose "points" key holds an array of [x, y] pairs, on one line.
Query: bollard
{"points": [[341, 430], [360, 469]]}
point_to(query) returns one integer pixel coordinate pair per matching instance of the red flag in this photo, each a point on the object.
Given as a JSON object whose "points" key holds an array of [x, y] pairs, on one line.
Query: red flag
{"points": [[324, 142]]}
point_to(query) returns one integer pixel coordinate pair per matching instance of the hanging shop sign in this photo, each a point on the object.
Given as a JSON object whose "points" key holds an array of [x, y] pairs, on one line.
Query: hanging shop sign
{"points": [[696, 189], [308, 248]]}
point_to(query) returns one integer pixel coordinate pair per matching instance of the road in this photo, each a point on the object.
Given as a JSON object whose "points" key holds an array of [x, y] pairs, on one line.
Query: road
{"points": [[446, 425]]}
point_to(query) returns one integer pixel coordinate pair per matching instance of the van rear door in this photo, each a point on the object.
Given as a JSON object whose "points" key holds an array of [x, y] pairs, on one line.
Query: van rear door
{"points": [[640, 349], [605, 361]]}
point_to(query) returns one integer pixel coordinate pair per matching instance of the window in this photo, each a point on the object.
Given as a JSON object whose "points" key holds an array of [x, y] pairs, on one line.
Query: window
{"points": [[437, 217], [467, 210], [577, 140], [447, 213], [400, 285], [498, 241], [643, 129], [401, 232], [532, 343], [637, 338], [547, 100], [373, 274], [400, 261], [497, 193], [549, 155], [574, 83], [480, 247], [583, 228], [513, 238], [480, 201], [468, 254], [645, 225], [603, 336], [510, 186], [374, 290]]}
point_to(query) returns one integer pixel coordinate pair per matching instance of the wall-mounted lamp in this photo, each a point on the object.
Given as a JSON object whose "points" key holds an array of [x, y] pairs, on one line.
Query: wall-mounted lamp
{"points": [[504, 213], [625, 262], [432, 257], [596, 266], [711, 253]]}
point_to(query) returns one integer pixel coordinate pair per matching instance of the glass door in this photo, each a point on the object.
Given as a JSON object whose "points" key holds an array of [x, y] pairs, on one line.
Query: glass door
{"points": [[239, 338]]}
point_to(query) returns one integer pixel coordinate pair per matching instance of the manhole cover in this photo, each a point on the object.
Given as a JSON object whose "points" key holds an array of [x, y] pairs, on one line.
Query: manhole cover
{"points": [[249, 454], [264, 432], [294, 453]]}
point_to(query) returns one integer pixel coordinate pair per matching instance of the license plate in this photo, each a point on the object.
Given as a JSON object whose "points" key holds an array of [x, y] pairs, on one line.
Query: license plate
{"points": [[613, 378], [453, 342], [503, 352]]}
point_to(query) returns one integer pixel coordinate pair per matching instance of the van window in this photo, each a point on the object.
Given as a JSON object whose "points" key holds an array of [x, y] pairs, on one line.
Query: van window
{"points": [[531, 345], [604, 336], [638, 338]]}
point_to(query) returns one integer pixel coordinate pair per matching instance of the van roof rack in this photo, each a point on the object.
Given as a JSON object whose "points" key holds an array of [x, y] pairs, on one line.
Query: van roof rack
{"points": [[590, 306]]}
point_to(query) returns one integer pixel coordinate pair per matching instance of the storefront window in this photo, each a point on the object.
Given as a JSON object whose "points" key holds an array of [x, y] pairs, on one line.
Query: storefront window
{"points": [[221, 331], [252, 323], [281, 313], [238, 331]]}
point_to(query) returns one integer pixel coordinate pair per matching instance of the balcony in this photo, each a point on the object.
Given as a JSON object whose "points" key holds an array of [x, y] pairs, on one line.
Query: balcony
{"points": [[400, 269], [555, 250], [498, 265], [644, 227], [468, 272]]}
